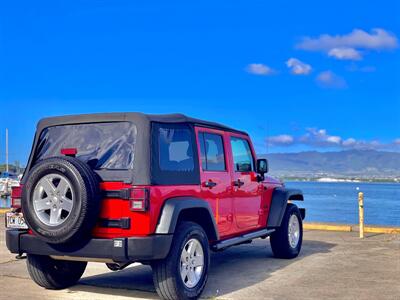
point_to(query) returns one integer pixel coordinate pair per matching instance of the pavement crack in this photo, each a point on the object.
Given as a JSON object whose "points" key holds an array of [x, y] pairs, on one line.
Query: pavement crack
{"points": [[14, 276], [7, 262]]}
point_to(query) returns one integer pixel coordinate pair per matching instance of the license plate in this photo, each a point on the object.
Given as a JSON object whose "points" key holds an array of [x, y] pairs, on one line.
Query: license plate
{"points": [[15, 220]]}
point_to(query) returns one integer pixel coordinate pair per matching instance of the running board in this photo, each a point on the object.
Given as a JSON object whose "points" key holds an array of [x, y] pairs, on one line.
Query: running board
{"points": [[241, 239]]}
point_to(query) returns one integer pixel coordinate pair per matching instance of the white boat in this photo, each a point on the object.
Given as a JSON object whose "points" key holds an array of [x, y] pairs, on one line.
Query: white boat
{"points": [[7, 182]]}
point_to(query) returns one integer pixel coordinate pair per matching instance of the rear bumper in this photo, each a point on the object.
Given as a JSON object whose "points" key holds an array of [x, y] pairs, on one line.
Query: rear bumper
{"points": [[119, 250]]}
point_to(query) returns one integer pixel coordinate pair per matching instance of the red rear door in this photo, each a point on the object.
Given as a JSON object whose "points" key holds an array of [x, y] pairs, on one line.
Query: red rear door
{"points": [[247, 190], [215, 176]]}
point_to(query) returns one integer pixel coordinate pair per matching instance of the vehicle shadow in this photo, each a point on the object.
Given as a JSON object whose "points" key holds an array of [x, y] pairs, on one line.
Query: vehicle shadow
{"points": [[231, 270]]}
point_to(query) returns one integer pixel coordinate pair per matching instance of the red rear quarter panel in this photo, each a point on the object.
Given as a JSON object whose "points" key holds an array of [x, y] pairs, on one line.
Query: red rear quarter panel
{"points": [[142, 223]]}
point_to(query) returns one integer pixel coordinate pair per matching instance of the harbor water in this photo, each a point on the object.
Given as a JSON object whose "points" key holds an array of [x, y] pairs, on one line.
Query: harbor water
{"points": [[338, 202]]}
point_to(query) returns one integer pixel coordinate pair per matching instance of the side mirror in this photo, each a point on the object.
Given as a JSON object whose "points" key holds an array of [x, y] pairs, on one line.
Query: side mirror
{"points": [[262, 166]]}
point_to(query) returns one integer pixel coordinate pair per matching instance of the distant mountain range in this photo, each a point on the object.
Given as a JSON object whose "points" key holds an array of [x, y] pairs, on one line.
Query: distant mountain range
{"points": [[366, 164]]}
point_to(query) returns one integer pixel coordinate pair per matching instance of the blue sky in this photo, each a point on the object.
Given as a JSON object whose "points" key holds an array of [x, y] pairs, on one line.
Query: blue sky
{"points": [[296, 75]]}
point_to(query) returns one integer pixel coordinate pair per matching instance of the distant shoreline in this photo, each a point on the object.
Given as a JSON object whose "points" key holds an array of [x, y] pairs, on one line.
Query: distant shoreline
{"points": [[342, 180]]}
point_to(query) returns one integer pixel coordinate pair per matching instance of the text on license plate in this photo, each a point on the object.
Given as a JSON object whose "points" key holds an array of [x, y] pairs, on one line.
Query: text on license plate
{"points": [[15, 220]]}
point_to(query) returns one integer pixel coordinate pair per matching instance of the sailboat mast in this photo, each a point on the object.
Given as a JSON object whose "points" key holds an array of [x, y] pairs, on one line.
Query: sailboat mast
{"points": [[7, 150]]}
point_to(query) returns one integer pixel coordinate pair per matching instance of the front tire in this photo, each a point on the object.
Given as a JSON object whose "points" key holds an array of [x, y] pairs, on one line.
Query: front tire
{"points": [[54, 274], [183, 273], [287, 239]]}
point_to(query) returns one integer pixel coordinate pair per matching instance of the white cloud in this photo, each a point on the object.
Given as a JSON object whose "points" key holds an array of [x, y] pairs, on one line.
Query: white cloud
{"points": [[349, 142], [328, 79], [345, 53], [348, 46], [259, 69], [320, 138], [334, 139], [298, 67], [378, 39], [283, 139]]}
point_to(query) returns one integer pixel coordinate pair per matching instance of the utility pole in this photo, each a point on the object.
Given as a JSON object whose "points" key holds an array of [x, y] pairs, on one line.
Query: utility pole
{"points": [[7, 150]]}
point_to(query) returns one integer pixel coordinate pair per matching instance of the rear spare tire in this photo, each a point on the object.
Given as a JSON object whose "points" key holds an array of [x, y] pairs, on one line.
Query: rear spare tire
{"points": [[61, 200]]}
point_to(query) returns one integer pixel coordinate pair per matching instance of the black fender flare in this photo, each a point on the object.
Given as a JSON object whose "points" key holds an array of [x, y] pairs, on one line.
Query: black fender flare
{"points": [[280, 197], [173, 208]]}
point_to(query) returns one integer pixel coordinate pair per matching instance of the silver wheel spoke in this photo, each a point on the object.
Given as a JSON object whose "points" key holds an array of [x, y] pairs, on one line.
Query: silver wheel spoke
{"points": [[62, 187], [47, 186], [184, 255], [192, 248], [198, 261], [42, 204], [184, 273], [66, 204], [189, 248], [54, 216], [191, 277]]}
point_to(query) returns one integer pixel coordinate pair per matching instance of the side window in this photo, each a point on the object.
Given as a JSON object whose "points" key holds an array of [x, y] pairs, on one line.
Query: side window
{"points": [[175, 149], [212, 152], [242, 157]]}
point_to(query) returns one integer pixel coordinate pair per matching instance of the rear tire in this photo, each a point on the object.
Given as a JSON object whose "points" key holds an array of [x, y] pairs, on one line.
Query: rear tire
{"points": [[54, 274], [167, 273], [287, 239]]}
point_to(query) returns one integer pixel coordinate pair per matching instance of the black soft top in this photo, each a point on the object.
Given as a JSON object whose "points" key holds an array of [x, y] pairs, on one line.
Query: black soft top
{"points": [[136, 117], [141, 172]]}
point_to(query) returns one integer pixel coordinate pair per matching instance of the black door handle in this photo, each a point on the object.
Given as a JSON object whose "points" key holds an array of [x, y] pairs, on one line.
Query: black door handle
{"points": [[238, 183], [210, 184]]}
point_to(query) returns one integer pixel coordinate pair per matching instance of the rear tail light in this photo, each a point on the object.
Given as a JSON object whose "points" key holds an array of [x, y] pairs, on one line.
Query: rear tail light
{"points": [[139, 199], [69, 151], [16, 192]]}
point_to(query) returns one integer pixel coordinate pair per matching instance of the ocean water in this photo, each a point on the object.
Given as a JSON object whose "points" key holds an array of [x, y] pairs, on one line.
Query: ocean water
{"points": [[338, 202]]}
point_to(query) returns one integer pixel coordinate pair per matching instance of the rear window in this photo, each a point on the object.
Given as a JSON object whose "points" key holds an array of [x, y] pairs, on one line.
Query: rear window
{"points": [[176, 149], [174, 154], [102, 145]]}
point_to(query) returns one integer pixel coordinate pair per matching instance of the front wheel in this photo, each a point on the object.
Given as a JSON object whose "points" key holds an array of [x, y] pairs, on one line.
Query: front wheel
{"points": [[54, 274], [183, 273], [287, 239]]}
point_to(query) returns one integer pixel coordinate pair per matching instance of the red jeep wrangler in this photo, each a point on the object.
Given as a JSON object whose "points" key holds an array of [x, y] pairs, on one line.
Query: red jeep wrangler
{"points": [[162, 190]]}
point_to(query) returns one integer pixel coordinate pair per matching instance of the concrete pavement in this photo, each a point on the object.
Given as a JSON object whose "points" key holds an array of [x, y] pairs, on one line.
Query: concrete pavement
{"points": [[332, 265]]}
